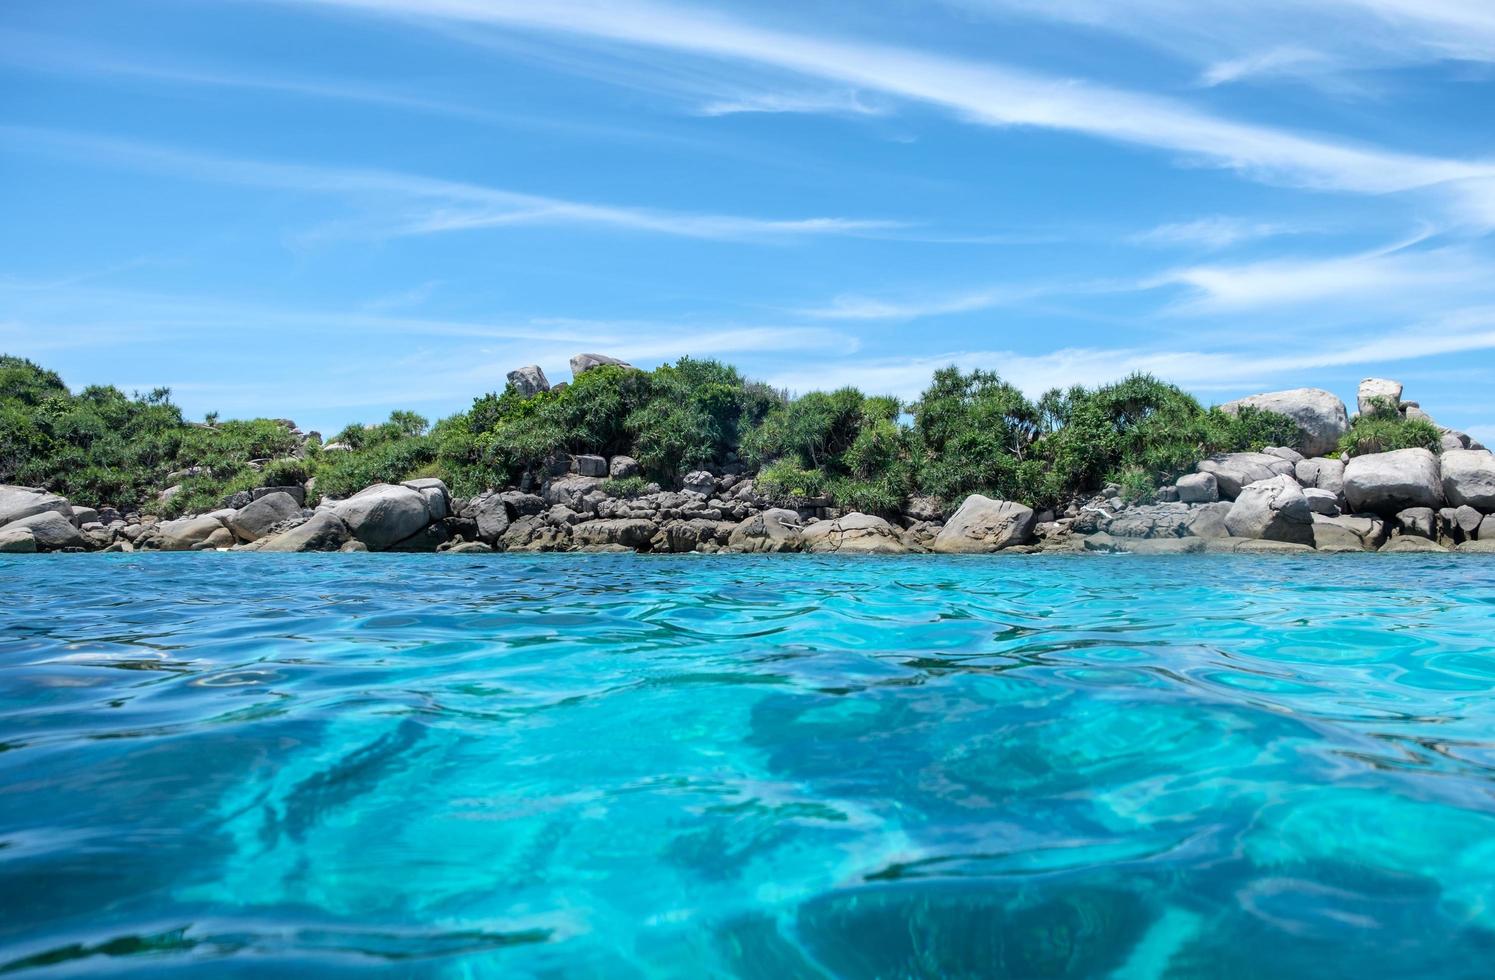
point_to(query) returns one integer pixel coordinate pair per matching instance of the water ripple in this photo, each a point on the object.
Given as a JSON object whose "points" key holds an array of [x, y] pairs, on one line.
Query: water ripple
{"points": [[748, 766]]}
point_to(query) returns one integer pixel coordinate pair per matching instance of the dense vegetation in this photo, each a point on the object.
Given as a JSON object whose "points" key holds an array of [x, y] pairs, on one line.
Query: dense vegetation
{"points": [[1383, 429], [968, 432]]}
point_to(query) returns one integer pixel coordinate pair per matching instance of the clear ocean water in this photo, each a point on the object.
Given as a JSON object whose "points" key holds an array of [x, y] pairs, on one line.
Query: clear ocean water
{"points": [[621, 766]]}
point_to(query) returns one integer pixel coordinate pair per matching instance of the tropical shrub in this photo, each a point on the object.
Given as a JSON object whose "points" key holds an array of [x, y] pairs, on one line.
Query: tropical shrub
{"points": [[842, 444], [626, 486], [968, 432], [1141, 433], [1384, 429]]}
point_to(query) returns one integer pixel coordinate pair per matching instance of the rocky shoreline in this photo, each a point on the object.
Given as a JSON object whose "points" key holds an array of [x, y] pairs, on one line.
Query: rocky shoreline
{"points": [[1288, 499]]}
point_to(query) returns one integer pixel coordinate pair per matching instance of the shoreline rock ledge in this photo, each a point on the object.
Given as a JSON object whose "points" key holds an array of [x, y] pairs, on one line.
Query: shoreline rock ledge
{"points": [[1305, 498]]}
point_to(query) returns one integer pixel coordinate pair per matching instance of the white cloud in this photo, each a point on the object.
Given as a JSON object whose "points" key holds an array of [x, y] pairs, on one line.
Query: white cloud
{"points": [[41, 52], [981, 92], [1453, 28], [1377, 277], [1216, 232], [1286, 60], [68, 316], [1347, 34], [1199, 370], [840, 103], [381, 360], [852, 307], [408, 204]]}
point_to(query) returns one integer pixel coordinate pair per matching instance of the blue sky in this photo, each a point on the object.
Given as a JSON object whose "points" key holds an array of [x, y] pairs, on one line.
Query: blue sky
{"points": [[326, 209]]}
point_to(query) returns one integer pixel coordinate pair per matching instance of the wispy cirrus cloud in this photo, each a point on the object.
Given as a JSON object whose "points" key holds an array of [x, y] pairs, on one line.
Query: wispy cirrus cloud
{"points": [[1201, 369], [48, 53], [1284, 60], [846, 102], [63, 315], [382, 361], [854, 306], [980, 92], [1374, 280], [1305, 38], [1403, 276], [408, 204], [857, 307], [1214, 232]]}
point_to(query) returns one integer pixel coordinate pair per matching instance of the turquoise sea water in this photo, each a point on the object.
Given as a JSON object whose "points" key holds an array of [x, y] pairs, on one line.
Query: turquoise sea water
{"points": [[622, 766]]}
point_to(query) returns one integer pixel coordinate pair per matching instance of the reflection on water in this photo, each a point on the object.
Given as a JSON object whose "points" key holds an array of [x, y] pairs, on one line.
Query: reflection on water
{"points": [[620, 766]]}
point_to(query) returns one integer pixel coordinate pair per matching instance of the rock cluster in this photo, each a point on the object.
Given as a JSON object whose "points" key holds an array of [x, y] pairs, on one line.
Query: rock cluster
{"points": [[1286, 499], [1283, 499]]}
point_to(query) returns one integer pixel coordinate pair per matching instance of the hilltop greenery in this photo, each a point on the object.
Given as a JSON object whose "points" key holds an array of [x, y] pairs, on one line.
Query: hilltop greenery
{"points": [[968, 432], [1383, 429]]}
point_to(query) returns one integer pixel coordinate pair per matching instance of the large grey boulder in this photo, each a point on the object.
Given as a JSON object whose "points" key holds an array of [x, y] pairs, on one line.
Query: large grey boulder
{"points": [[523, 504], [1208, 520], [186, 533], [582, 363], [52, 531], [1283, 452], [1198, 488], [1272, 510], [1373, 390], [633, 533], [1321, 474], [697, 534], [1320, 415], [1232, 471], [1322, 501], [529, 380], [531, 533], [571, 491], [1467, 520], [1412, 545], [19, 502], [773, 531], [1417, 522], [699, 482], [383, 514], [297, 492], [17, 541], [221, 539], [981, 525], [470, 548], [590, 465], [1414, 412], [427, 539], [1384, 483], [1107, 543], [1469, 478], [1165, 520], [437, 497], [854, 534], [254, 521], [622, 467], [1341, 534], [492, 516], [1483, 547], [324, 532]]}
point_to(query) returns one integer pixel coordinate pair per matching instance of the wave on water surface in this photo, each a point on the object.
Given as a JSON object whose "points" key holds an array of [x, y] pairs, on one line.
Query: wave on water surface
{"points": [[797, 766]]}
